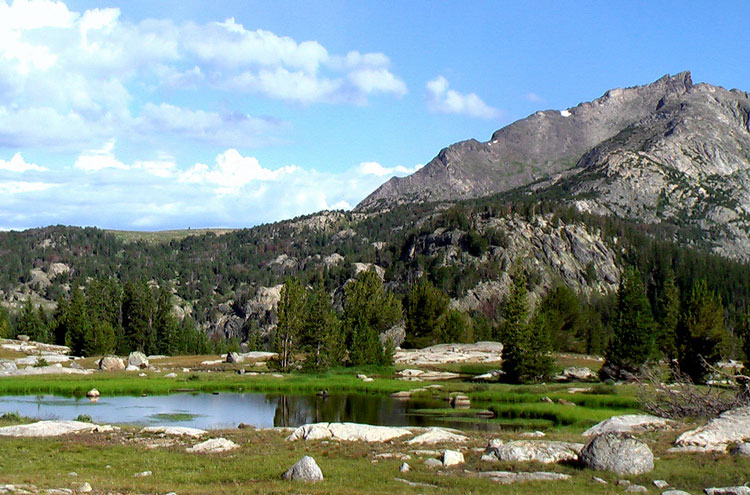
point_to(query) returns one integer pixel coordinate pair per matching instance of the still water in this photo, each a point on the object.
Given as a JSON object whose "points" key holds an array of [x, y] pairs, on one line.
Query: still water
{"points": [[227, 410]]}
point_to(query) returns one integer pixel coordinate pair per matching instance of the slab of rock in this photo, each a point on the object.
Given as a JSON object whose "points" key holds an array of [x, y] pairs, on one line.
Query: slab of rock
{"points": [[53, 369], [52, 429], [728, 490], [452, 458], [480, 352], [629, 423], [422, 375], [636, 489], [675, 492], [617, 452], [174, 431], [437, 435], [661, 484], [508, 477], [730, 427], [138, 359], [213, 446], [546, 452], [348, 432], [111, 363], [433, 463], [306, 469]]}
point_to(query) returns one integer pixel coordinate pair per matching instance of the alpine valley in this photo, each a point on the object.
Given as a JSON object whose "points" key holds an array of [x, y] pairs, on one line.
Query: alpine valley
{"points": [[654, 176]]}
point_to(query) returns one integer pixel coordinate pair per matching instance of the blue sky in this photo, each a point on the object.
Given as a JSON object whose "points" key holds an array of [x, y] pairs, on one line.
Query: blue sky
{"points": [[153, 115]]}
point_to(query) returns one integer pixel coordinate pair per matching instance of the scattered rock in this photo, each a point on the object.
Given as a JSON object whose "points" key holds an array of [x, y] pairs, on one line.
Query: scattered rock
{"points": [[490, 376], [143, 474], [393, 455], [433, 463], [575, 373], [675, 492], [422, 375], [480, 352], [599, 480], [437, 435], [170, 375], [111, 363], [629, 423], [130, 367], [728, 490], [348, 432], [306, 469], [460, 402], [564, 402], [452, 458], [533, 434], [213, 446], [403, 394], [742, 450], [547, 400], [84, 487], [508, 477], [361, 376], [23, 338], [636, 489], [138, 359], [93, 393], [546, 452], [76, 366], [404, 468], [368, 379], [624, 483], [617, 452], [661, 484], [52, 429], [174, 431], [730, 427]]}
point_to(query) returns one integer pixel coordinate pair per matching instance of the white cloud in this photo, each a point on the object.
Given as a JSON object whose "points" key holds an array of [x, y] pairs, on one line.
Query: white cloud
{"points": [[533, 97], [18, 164], [75, 79], [441, 99], [96, 160], [234, 190]]}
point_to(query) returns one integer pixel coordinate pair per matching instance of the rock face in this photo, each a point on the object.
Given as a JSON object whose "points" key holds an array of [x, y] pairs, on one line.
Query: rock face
{"points": [[176, 431], [111, 363], [138, 359], [306, 469], [729, 428], [620, 453], [347, 432], [52, 429], [629, 423], [543, 451], [545, 143], [480, 352]]}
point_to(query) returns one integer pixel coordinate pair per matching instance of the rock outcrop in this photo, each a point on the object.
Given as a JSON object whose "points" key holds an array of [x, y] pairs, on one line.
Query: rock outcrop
{"points": [[546, 452], [629, 423], [731, 427], [347, 432], [52, 429]]}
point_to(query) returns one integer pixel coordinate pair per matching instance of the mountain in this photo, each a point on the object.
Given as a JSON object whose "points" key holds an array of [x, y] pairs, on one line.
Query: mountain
{"points": [[670, 153], [530, 149]]}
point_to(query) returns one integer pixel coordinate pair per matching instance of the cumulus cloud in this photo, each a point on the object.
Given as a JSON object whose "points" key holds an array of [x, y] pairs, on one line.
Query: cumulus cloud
{"points": [[233, 190], [533, 97], [441, 99], [76, 78], [18, 164]]}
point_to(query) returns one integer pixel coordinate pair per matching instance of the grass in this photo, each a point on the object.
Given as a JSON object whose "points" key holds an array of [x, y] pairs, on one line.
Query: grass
{"points": [[108, 462]]}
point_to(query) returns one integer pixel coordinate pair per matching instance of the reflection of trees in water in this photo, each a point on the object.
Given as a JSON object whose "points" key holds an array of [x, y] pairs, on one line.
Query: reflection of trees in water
{"points": [[295, 410]]}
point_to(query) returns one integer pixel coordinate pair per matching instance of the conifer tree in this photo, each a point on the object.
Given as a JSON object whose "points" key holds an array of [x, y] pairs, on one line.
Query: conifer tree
{"points": [[291, 322], [137, 318], [31, 324], [425, 310], [5, 329], [321, 336], [165, 324], [700, 332], [669, 311], [514, 329], [633, 337], [77, 323]]}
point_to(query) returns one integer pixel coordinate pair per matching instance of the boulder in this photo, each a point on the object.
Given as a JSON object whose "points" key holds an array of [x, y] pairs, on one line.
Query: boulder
{"points": [[636, 489], [23, 338], [213, 446], [138, 359], [93, 394], [433, 463], [306, 469], [347, 432], [130, 367], [452, 458], [730, 427], [546, 452], [404, 468], [52, 429], [111, 363], [234, 357], [742, 450], [618, 452], [629, 423], [728, 490], [437, 435], [174, 431], [170, 375]]}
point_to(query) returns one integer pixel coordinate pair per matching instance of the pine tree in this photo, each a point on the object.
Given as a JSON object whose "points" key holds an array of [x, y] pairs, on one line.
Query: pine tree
{"points": [[669, 310], [137, 318], [31, 324], [321, 336], [700, 332], [77, 323], [633, 338], [369, 310], [425, 310], [291, 322], [515, 315], [5, 329], [165, 324]]}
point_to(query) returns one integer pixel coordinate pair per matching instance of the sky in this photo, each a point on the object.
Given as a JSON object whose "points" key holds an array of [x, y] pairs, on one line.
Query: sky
{"points": [[151, 115]]}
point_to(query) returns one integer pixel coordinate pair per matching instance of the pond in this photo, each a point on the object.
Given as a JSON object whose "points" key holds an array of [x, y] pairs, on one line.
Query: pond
{"points": [[227, 410]]}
